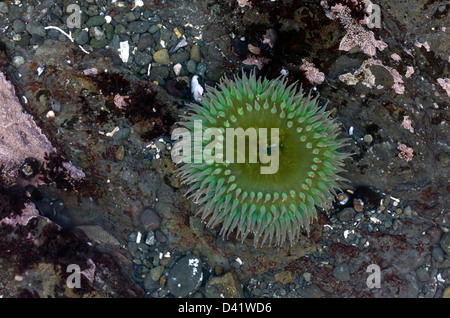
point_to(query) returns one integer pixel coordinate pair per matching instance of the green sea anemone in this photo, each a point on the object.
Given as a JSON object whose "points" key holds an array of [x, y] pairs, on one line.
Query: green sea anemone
{"points": [[271, 206]]}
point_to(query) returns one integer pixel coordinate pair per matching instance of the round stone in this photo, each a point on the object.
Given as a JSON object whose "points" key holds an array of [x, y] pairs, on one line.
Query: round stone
{"points": [[82, 37], [95, 21], [191, 66], [185, 277], [150, 220], [162, 57], [19, 26]]}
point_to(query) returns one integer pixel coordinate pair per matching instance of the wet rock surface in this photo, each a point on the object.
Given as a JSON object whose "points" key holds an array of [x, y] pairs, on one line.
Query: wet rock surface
{"points": [[109, 111]]}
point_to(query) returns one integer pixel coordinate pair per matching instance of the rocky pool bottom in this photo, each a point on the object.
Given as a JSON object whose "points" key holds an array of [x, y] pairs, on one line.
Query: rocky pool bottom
{"points": [[127, 223]]}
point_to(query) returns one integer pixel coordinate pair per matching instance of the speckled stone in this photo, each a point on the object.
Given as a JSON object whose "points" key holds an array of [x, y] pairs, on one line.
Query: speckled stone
{"points": [[185, 277]]}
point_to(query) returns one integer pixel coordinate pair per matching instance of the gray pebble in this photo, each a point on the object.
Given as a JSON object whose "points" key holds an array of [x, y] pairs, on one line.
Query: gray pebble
{"points": [[130, 17], [14, 12], [437, 253], [191, 66], [150, 284], [153, 29], [3, 7], [160, 236], [95, 21], [19, 26], [150, 220], [132, 246], [109, 30], [445, 243], [139, 26], [422, 275], [341, 272], [156, 272], [185, 277], [142, 58], [98, 44], [82, 37], [346, 215], [120, 29], [146, 40], [36, 28], [179, 57], [159, 73], [201, 69]]}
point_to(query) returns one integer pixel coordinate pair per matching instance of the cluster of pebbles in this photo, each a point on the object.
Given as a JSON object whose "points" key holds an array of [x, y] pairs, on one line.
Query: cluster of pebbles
{"points": [[150, 47]]}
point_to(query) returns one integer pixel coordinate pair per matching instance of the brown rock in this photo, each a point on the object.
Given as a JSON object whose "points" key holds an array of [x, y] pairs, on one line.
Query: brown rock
{"points": [[284, 277], [226, 286], [150, 220]]}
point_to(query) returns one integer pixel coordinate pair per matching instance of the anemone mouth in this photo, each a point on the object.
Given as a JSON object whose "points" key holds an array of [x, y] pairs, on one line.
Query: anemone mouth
{"points": [[295, 139]]}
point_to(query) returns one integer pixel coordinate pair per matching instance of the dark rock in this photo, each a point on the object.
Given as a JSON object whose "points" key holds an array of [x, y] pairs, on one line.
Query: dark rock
{"points": [[422, 275], [310, 291], [191, 66], [240, 46], [185, 277], [149, 284], [142, 58], [346, 215], [82, 37], [179, 57], [159, 73], [98, 44], [19, 26], [445, 243], [15, 12], [150, 220], [341, 272], [437, 253], [146, 40], [139, 26], [36, 28], [178, 88], [95, 21], [160, 236], [109, 30]]}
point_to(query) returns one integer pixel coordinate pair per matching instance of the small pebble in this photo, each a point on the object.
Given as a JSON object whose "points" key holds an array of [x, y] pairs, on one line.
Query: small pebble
{"points": [[120, 153], [162, 57], [368, 139], [195, 53], [150, 220]]}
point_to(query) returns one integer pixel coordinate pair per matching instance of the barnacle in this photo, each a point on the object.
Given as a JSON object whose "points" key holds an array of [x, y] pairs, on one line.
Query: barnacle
{"points": [[272, 206]]}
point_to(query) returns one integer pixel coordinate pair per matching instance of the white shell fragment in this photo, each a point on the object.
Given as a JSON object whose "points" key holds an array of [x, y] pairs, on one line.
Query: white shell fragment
{"points": [[196, 89], [124, 51]]}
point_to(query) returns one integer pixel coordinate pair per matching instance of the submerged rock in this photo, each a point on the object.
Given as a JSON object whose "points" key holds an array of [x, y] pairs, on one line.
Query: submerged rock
{"points": [[185, 277]]}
